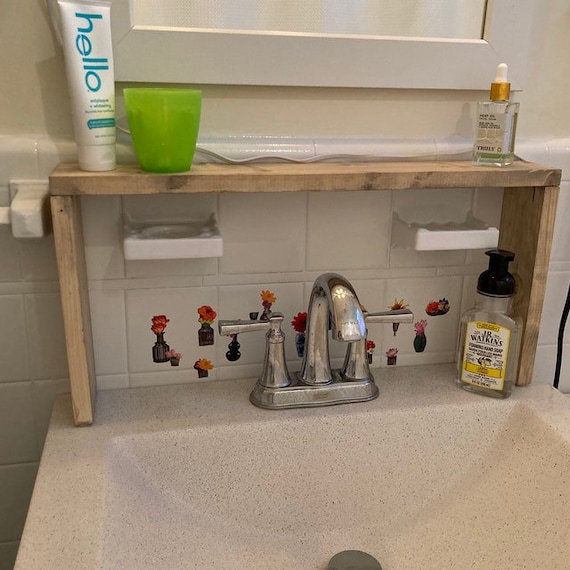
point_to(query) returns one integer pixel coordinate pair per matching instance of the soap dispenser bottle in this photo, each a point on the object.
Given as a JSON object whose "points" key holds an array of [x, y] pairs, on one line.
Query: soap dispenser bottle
{"points": [[496, 124], [489, 340]]}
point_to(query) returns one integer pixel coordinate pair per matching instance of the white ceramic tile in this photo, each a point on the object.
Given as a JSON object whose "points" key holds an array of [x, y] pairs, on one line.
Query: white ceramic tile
{"points": [[46, 338], [430, 205], [171, 267], [102, 234], [561, 240], [440, 205], [18, 158], [18, 441], [263, 233], [236, 302], [171, 375], [15, 351], [348, 230], [557, 285], [170, 208], [487, 205], [43, 395], [181, 334], [9, 258], [409, 258], [109, 331], [8, 552], [545, 366], [50, 152], [112, 382], [441, 331], [16, 485], [37, 259], [173, 208]]}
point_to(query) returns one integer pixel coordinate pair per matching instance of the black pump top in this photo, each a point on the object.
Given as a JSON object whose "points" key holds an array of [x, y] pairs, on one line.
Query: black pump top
{"points": [[497, 281]]}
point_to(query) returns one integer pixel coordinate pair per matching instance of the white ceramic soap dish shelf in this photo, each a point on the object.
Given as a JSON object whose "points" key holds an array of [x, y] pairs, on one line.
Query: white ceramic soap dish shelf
{"points": [[471, 233], [188, 240]]}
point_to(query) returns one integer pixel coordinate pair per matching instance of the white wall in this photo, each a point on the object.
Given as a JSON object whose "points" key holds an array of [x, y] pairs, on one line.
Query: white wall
{"points": [[275, 242]]}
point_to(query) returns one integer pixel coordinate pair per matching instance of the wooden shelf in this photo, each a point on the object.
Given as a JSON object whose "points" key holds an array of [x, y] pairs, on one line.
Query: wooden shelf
{"points": [[68, 180], [527, 224]]}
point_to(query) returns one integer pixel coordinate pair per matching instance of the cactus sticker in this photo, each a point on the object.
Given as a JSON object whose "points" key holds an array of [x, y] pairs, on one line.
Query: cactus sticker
{"points": [[420, 340]]}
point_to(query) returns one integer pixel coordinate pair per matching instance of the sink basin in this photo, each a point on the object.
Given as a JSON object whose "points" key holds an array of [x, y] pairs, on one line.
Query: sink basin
{"points": [[436, 488], [427, 477]]}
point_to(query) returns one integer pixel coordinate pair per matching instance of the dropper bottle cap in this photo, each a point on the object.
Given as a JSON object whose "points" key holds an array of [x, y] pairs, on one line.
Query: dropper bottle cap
{"points": [[501, 88], [497, 281]]}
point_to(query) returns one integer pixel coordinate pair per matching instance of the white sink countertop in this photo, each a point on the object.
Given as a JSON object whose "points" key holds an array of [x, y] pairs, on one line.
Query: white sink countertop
{"points": [[193, 476]]}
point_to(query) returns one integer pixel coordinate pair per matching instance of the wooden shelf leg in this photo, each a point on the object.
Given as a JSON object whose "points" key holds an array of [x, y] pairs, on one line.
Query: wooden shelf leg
{"points": [[70, 253], [527, 225]]}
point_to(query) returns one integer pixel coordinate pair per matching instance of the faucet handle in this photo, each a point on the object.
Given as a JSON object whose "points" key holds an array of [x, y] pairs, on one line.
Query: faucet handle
{"points": [[274, 373], [227, 328], [395, 316]]}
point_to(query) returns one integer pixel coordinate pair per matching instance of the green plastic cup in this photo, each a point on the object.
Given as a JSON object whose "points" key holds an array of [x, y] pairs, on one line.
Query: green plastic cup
{"points": [[164, 126]]}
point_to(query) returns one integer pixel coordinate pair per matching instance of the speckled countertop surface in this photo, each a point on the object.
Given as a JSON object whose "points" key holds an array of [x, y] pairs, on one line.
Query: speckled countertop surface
{"points": [[65, 528]]}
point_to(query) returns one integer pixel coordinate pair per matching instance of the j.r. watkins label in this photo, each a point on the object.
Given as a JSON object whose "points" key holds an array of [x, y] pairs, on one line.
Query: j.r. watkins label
{"points": [[485, 356]]}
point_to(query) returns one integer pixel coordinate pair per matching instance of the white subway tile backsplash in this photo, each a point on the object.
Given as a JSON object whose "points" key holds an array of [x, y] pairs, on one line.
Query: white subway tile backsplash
{"points": [[15, 351], [112, 382], [422, 206], [18, 441], [169, 375], [561, 240], [103, 237], [44, 324], [263, 233], [441, 330], [238, 301], [181, 334], [170, 208], [16, 485], [348, 230], [409, 258], [109, 331], [37, 259], [171, 268], [487, 205], [545, 366], [43, 396], [557, 286], [9, 259], [8, 552], [50, 152], [18, 158]]}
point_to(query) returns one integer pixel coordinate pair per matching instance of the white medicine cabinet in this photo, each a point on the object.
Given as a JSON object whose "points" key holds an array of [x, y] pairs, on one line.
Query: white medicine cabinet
{"points": [[421, 44]]}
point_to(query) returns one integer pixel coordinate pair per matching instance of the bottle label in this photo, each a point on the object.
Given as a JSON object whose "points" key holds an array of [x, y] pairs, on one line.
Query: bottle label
{"points": [[494, 133], [485, 355]]}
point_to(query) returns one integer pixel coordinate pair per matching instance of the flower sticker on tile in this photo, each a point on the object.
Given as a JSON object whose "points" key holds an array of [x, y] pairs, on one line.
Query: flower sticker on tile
{"points": [[397, 306], [391, 356], [420, 339], [370, 346], [267, 300], [160, 347], [207, 316], [203, 365], [299, 324], [174, 357], [436, 308]]}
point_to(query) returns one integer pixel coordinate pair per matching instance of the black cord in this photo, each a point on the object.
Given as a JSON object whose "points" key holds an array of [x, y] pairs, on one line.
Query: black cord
{"points": [[563, 319]]}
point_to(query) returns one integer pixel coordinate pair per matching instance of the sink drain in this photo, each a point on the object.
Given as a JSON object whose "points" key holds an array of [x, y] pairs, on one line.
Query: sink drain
{"points": [[353, 560]]}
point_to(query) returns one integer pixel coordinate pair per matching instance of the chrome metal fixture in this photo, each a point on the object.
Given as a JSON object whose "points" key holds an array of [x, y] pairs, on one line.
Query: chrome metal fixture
{"points": [[333, 305]]}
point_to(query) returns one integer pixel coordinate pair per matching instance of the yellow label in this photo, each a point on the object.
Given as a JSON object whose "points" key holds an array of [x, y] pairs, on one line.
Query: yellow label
{"points": [[485, 355]]}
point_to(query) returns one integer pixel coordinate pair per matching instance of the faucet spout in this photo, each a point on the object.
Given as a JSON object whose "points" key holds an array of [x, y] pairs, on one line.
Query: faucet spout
{"points": [[333, 304]]}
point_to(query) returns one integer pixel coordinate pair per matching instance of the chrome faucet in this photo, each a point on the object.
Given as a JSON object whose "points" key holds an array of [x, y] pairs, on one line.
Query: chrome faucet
{"points": [[333, 305]]}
